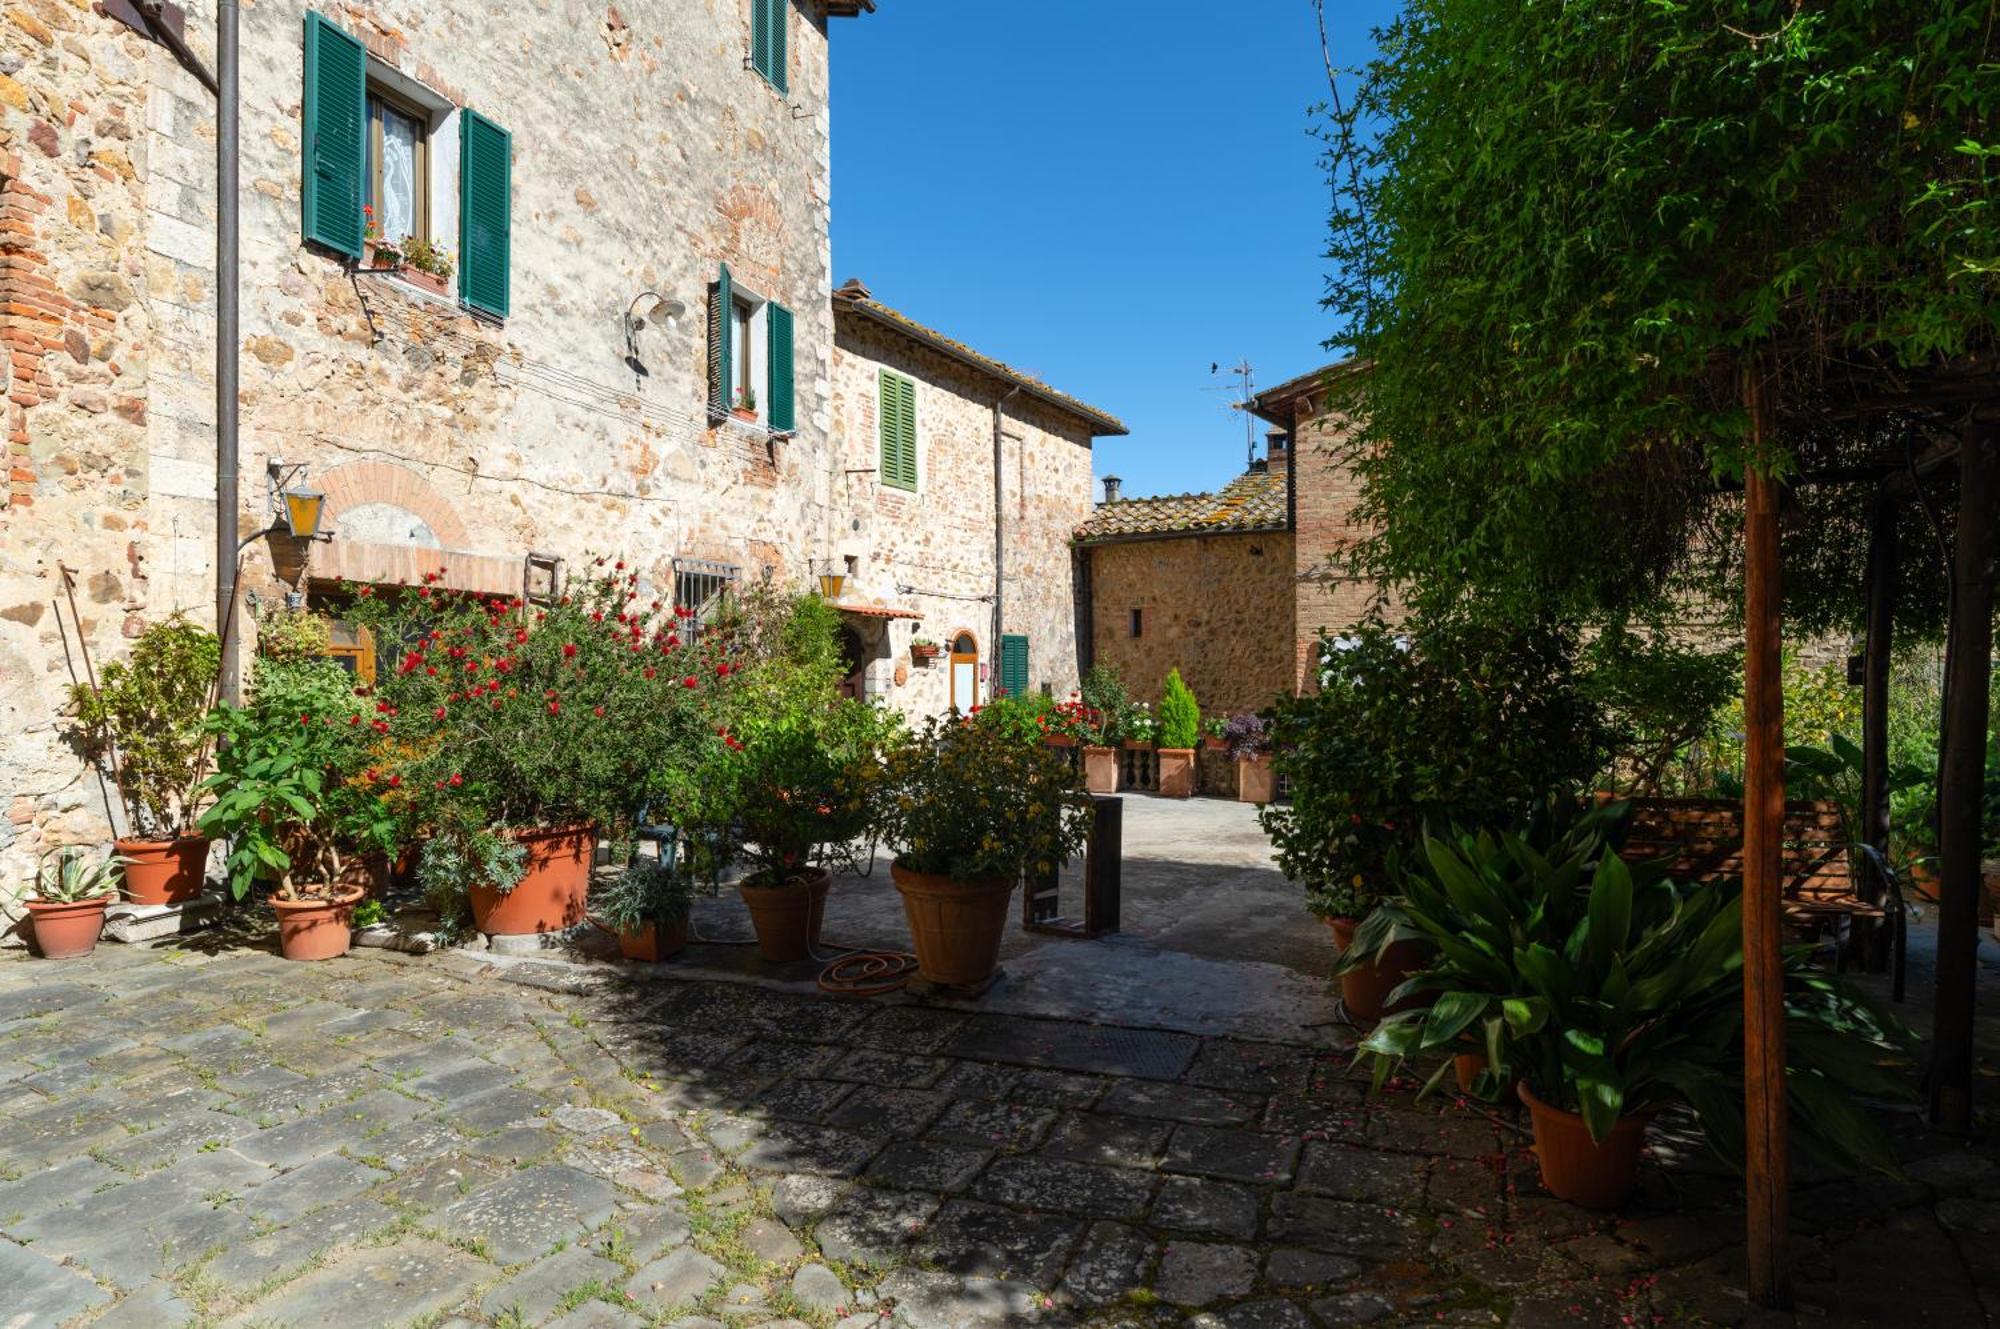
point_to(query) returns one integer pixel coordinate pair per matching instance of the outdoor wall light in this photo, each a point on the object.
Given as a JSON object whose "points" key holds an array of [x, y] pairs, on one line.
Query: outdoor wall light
{"points": [[294, 508], [647, 306], [831, 584], [302, 509]]}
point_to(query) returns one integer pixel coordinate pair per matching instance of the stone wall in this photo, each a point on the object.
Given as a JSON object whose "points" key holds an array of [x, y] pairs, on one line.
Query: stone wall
{"points": [[645, 154], [932, 550], [1218, 607]]}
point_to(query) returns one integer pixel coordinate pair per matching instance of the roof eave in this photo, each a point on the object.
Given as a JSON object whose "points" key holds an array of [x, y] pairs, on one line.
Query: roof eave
{"points": [[1102, 425], [1133, 537], [849, 8], [1269, 405]]}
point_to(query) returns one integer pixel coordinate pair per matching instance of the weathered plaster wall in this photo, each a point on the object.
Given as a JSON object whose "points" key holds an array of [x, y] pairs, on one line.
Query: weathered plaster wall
{"points": [[1218, 607], [645, 154], [940, 539]]}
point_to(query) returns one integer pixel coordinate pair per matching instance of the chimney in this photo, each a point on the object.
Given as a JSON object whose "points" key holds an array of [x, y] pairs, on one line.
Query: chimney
{"points": [[1111, 483], [1278, 448]]}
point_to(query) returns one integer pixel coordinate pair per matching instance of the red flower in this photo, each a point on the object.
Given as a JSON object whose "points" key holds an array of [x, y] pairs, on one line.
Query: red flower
{"points": [[520, 635], [395, 782], [456, 780], [688, 682], [438, 714], [305, 719], [648, 671], [597, 711], [569, 650], [555, 708], [619, 565], [354, 719]]}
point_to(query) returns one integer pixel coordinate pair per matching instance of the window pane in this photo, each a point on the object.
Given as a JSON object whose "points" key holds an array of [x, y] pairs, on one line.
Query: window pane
{"points": [[741, 352], [396, 210]]}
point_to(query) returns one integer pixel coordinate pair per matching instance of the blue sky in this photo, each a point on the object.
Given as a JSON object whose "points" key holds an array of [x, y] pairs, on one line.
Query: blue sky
{"points": [[1111, 194]]}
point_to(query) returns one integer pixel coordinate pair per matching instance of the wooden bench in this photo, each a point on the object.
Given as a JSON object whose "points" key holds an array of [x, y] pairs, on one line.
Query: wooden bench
{"points": [[1701, 839]]}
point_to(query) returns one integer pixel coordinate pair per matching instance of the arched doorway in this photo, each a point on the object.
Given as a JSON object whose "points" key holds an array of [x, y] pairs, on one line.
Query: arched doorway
{"points": [[854, 661], [964, 670]]}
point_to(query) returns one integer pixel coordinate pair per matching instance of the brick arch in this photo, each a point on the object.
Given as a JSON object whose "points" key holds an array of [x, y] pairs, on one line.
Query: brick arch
{"points": [[359, 482]]}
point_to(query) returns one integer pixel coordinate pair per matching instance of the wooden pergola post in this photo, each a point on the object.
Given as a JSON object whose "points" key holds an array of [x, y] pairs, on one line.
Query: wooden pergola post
{"points": [[1767, 1174], [1880, 588], [1962, 777]]}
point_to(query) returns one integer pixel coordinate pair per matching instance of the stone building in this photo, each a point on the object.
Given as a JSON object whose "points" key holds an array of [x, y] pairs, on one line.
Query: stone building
{"points": [[1235, 588], [633, 352]]}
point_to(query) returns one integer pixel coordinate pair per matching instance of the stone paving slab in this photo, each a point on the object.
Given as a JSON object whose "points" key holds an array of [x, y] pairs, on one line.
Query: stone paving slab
{"points": [[230, 1139]]}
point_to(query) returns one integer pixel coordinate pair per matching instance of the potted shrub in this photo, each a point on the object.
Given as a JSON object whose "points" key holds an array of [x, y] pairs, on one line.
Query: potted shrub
{"points": [[1107, 707], [289, 800], [508, 736], [1244, 741], [1215, 733], [68, 903], [1180, 728], [1613, 993], [969, 804], [146, 719], [647, 905]]}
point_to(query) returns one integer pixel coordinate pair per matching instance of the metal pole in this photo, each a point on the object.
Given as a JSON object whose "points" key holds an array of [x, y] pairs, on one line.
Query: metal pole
{"points": [[227, 342], [999, 533], [1962, 777], [1765, 1161]]}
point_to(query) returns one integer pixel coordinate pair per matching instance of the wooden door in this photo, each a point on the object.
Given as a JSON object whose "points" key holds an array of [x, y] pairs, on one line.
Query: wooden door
{"points": [[964, 672]]}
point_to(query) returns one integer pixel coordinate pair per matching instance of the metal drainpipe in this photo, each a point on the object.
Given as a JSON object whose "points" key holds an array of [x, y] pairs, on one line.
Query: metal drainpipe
{"points": [[226, 189], [999, 529]]}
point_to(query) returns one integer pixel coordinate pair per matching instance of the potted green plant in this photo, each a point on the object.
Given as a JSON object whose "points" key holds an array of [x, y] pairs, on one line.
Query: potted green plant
{"points": [[1215, 733], [647, 906], [1245, 743], [70, 896], [969, 804], [746, 405], [145, 718], [290, 800], [1609, 993], [1180, 730], [923, 648]]}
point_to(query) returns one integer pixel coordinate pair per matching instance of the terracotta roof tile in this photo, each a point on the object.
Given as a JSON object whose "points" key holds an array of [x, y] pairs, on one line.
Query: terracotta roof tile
{"points": [[1253, 501]]}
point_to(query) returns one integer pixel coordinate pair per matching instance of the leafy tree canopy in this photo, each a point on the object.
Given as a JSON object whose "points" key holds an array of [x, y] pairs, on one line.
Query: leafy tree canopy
{"points": [[1573, 225]]}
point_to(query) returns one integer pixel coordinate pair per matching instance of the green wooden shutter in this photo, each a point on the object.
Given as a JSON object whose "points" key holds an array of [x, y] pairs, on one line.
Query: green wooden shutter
{"points": [[485, 212], [908, 417], [779, 413], [1014, 664], [768, 55], [898, 412], [336, 116], [719, 301]]}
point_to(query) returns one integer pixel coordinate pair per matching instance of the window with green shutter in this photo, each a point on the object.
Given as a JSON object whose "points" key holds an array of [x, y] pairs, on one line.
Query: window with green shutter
{"points": [[485, 210], [721, 311], [336, 114], [768, 55], [1014, 664], [780, 414], [897, 410]]}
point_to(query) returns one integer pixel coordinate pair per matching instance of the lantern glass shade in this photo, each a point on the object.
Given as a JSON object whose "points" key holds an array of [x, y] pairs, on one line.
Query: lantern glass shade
{"points": [[302, 512], [830, 584]]}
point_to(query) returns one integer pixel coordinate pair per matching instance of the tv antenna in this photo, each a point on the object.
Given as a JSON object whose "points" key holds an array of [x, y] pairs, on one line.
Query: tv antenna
{"points": [[1247, 385]]}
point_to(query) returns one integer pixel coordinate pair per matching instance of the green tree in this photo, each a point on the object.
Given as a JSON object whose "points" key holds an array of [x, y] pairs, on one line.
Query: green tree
{"points": [[1180, 714]]}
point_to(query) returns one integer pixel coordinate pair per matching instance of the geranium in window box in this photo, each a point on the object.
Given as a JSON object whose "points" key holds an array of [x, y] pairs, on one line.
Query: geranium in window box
{"points": [[923, 648], [746, 406]]}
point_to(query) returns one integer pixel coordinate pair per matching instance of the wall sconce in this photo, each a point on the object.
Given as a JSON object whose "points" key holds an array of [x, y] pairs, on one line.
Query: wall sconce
{"points": [[295, 509], [302, 509], [831, 583], [645, 306]]}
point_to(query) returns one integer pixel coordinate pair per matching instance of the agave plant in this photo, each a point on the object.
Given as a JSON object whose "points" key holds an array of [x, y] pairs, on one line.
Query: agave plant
{"points": [[73, 877], [1612, 990]]}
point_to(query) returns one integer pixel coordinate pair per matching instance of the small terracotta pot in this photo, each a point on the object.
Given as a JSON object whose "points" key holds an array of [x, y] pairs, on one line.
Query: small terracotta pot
{"points": [[1177, 772], [66, 929], [164, 871], [1100, 770], [1213, 744], [653, 943], [787, 917], [1365, 989], [955, 926], [317, 929], [1579, 1169], [1255, 782], [552, 892], [1058, 741]]}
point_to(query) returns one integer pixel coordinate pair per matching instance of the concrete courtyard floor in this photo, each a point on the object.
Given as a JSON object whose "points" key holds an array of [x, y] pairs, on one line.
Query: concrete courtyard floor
{"points": [[203, 1133]]}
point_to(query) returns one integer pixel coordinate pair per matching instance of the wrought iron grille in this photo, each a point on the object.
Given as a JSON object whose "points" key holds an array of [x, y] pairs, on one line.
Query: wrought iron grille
{"points": [[703, 587]]}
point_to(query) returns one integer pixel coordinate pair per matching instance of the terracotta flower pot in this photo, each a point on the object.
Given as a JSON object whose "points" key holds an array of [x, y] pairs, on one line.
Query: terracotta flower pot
{"points": [[552, 891], [1100, 770], [1177, 772], [653, 943], [1058, 740], [956, 926], [164, 871], [1579, 1169], [1365, 989], [1212, 743], [66, 929], [317, 929], [1466, 1067], [787, 917], [1255, 782]]}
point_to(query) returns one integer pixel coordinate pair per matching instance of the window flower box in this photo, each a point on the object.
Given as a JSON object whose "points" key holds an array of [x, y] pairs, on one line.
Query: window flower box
{"points": [[924, 650]]}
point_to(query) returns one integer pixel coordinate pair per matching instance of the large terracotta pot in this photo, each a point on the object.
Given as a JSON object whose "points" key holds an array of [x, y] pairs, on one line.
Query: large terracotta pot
{"points": [[164, 871], [1177, 772], [1255, 782], [552, 892], [956, 925], [317, 929], [653, 943], [65, 929], [1579, 1169], [1365, 989], [1100, 770], [787, 917]]}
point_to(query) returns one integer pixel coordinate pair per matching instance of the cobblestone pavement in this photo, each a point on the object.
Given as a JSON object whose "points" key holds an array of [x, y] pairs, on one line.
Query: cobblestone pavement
{"points": [[224, 1138]]}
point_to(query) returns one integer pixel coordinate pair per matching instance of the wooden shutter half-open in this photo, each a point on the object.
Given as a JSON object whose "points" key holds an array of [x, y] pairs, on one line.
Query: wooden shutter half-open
{"points": [[336, 118], [720, 300], [781, 412], [485, 212]]}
